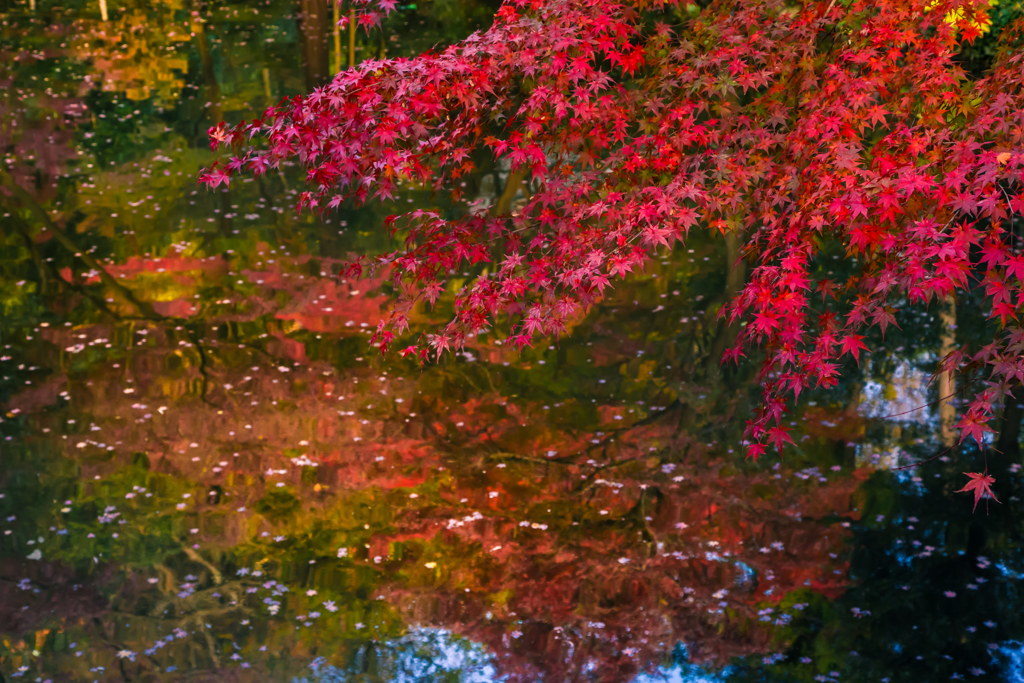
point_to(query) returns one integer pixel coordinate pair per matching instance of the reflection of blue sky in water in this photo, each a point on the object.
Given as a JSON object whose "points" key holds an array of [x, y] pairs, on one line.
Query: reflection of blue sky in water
{"points": [[906, 398], [1011, 655], [904, 394], [427, 654], [682, 673], [423, 654], [902, 398]]}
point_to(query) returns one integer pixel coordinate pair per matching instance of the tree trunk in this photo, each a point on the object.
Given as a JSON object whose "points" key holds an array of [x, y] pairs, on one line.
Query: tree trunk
{"points": [[336, 65], [351, 38], [947, 386], [513, 184], [216, 113], [209, 74], [735, 275], [313, 31]]}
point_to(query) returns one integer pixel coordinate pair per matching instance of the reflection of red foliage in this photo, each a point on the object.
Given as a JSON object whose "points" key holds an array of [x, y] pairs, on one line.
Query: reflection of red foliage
{"points": [[610, 561], [287, 347], [169, 264], [178, 308], [343, 304], [39, 137], [558, 578], [39, 395], [136, 266], [835, 425]]}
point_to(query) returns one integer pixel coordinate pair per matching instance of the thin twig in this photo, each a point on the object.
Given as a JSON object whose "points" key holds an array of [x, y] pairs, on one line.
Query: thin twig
{"points": [[915, 464], [926, 405]]}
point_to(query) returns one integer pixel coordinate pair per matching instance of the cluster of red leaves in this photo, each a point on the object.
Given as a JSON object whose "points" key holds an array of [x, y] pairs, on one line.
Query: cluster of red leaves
{"points": [[797, 124], [365, 13]]}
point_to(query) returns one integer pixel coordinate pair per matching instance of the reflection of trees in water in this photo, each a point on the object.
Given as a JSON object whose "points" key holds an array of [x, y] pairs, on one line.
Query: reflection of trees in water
{"points": [[315, 31], [558, 596], [135, 68], [686, 527], [40, 107], [594, 524], [138, 53]]}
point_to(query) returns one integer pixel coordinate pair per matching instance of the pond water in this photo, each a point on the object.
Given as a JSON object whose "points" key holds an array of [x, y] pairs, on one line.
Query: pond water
{"points": [[207, 473]]}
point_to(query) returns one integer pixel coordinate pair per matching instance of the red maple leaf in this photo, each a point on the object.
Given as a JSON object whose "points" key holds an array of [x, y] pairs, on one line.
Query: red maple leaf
{"points": [[852, 344], [981, 484], [826, 287], [974, 425]]}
